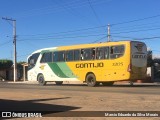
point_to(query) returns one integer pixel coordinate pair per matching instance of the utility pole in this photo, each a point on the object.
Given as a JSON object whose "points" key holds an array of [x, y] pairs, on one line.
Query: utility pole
{"points": [[14, 44], [108, 33]]}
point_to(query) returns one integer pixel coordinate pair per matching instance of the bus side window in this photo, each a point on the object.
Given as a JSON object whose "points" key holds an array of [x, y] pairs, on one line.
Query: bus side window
{"points": [[69, 55], [55, 56], [89, 54], [61, 56], [82, 54], [76, 55], [106, 52], [46, 57], [93, 53], [100, 53], [112, 52], [116, 51]]}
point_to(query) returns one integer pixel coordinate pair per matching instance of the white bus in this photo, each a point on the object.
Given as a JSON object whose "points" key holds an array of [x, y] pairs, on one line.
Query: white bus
{"points": [[91, 63]]}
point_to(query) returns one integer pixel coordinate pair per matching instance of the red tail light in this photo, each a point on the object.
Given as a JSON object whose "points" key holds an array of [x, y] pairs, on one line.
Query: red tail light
{"points": [[129, 68]]}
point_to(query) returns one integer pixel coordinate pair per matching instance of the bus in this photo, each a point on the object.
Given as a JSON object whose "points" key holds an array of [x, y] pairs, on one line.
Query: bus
{"points": [[93, 64]]}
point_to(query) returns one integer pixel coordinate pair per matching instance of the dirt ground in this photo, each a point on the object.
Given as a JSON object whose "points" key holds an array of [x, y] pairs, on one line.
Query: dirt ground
{"points": [[87, 101]]}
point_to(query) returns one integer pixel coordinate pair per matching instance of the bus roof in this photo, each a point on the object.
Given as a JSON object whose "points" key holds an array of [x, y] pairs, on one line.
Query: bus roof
{"points": [[94, 45], [40, 50], [83, 46]]}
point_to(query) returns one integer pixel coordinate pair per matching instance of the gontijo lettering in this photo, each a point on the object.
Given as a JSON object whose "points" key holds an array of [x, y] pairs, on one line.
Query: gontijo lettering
{"points": [[140, 56], [89, 65]]}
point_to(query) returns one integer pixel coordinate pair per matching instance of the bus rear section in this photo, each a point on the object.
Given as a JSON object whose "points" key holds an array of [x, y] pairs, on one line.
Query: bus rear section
{"points": [[138, 66]]}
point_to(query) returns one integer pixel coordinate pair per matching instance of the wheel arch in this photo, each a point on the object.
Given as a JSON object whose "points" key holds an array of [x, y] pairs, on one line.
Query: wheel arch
{"points": [[88, 74], [38, 75]]}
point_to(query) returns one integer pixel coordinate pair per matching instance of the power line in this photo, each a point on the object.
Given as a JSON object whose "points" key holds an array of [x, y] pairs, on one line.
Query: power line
{"points": [[136, 31], [155, 37], [137, 26], [80, 36], [147, 38], [5, 42], [126, 37], [147, 28], [99, 39], [94, 12], [70, 31], [51, 9], [136, 20], [71, 10], [62, 37], [77, 36], [91, 28]]}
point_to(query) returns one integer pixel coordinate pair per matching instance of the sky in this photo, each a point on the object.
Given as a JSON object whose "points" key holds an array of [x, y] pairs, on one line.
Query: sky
{"points": [[49, 23]]}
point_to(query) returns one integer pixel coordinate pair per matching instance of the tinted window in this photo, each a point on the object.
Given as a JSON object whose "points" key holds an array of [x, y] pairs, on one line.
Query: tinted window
{"points": [[47, 57], [102, 53], [86, 54], [116, 51], [61, 56], [69, 55], [106, 52], [76, 54], [55, 56]]}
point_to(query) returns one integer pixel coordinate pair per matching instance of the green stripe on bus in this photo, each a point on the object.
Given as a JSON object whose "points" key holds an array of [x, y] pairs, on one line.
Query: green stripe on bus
{"points": [[66, 70], [57, 70]]}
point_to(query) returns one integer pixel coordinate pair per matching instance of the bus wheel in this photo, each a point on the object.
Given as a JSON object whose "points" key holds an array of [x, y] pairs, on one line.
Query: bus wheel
{"points": [[131, 83], [41, 80], [58, 82], [91, 80], [107, 83]]}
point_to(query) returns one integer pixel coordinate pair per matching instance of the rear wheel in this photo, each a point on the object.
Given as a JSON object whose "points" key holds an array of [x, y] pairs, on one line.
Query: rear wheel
{"points": [[91, 80], [107, 83], [41, 80], [59, 82], [131, 83]]}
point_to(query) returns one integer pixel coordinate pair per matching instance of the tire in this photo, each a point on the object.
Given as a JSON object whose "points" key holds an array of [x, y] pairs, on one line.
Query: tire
{"points": [[131, 83], [91, 80], [107, 83], [58, 82], [41, 80]]}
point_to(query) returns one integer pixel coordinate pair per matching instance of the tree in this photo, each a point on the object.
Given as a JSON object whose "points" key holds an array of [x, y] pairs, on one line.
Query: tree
{"points": [[5, 64]]}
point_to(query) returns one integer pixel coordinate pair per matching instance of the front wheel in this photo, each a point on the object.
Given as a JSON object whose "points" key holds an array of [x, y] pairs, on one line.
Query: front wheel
{"points": [[91, 80], [41, 80]]}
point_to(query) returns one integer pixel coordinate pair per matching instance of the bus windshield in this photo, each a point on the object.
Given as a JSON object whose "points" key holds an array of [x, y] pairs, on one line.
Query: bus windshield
{"points": [[32, 60]]}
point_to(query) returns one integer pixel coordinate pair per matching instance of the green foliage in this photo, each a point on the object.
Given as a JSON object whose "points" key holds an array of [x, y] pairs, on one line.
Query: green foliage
{"points": [[19, 64], [5, 64]]}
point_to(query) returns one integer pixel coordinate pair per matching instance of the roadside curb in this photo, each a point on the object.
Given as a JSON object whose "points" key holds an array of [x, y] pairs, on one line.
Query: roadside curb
{"points": [[21, 82]]}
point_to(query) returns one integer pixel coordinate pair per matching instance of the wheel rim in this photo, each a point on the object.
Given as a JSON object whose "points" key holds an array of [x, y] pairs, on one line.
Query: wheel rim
{"points": [[41, 79], [91, 80]]}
